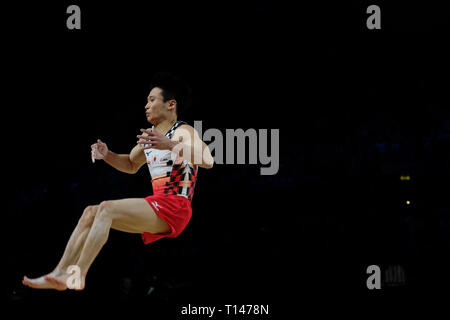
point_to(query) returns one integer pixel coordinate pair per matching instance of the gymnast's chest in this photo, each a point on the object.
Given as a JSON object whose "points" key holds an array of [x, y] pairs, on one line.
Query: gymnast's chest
{"points": [[158, 158]]}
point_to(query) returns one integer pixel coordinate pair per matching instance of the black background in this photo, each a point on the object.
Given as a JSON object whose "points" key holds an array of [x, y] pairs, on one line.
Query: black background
{"points": [[356, 108]]}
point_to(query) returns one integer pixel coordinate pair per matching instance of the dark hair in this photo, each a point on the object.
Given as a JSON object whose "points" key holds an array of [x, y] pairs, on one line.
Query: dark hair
{"points": [[173, 87]]}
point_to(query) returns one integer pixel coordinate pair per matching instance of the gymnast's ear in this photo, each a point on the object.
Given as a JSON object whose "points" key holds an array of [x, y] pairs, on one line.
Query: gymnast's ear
{"points": [[172, 104]]}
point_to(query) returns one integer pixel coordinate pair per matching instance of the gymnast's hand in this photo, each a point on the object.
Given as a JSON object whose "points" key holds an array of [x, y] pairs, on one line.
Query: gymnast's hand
{"points": [[98, 150], [155, 140]]}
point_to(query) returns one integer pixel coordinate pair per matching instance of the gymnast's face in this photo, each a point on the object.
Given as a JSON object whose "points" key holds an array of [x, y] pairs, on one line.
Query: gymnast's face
{"points": [[156, 110]]}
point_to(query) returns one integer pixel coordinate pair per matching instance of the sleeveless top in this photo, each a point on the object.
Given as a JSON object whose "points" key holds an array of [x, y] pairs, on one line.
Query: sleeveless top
{"points": [[170, 173]]}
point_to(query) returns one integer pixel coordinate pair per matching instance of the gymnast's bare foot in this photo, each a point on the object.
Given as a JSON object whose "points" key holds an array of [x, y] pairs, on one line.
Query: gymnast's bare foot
{"points": [[41, 282], [59, 281]]}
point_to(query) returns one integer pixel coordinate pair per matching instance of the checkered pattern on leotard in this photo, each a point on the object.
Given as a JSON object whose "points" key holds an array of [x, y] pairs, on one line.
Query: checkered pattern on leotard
{"points": [[176, 177]]}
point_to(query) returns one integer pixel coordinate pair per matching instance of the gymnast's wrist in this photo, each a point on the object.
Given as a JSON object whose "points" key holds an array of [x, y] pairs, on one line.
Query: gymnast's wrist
{"points": [[108, 155]]}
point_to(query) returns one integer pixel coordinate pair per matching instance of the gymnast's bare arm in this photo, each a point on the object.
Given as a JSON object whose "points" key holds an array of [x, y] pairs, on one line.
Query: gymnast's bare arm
{"points": [[128, 163]]}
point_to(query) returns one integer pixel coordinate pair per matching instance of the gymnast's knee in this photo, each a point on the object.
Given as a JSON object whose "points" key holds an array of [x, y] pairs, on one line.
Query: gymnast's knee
{"points": [[105, 210], [88, 216]]}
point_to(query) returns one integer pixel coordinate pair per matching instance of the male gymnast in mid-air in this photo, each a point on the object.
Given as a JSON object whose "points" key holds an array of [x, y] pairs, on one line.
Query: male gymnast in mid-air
{"points": [[173, 152]]}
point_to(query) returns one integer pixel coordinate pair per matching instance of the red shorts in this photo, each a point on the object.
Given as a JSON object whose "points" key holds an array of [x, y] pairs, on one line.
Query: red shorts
{"points": [[175, 210]]}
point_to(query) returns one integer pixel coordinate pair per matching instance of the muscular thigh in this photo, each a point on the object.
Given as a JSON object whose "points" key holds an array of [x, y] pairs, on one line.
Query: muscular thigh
{"points": [[135, 216]]}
